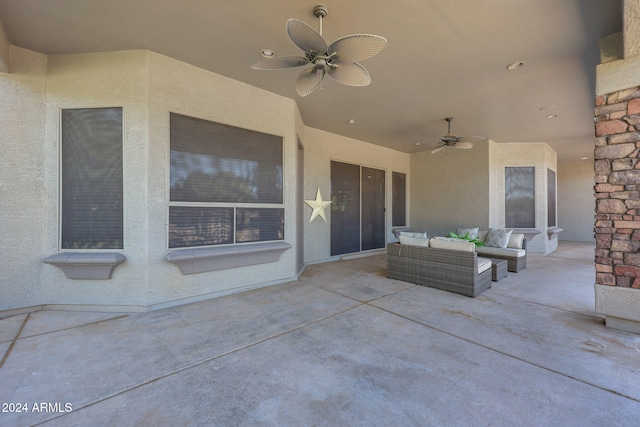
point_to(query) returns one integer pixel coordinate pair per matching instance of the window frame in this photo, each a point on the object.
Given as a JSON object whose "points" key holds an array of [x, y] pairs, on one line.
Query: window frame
{"points": [[60, 179], [394, 205], [534, 198], [235, 206], [552, 198]]}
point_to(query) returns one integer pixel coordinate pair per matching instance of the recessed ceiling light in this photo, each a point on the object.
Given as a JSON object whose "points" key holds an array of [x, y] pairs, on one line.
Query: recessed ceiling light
{"points": [[547, 107], [352, 121], [418, 143], [267, 53], [552, 116], [584, 158], [515, 65]]}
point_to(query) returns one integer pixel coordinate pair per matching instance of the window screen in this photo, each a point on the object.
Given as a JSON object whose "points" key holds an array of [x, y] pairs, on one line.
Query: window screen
{"points": [[520, 201], [551, 198], [399, 184], [226, 184], [92, 178]]}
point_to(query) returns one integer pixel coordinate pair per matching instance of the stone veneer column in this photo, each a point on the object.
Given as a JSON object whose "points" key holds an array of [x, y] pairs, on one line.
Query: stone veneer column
{"points": [[617, 179], [617, 192]]}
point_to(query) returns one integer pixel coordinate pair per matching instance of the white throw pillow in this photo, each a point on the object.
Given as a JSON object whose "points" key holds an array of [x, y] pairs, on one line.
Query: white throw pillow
{"points": [[414, 239], [498, 237], [452, 244], [516, 240]]}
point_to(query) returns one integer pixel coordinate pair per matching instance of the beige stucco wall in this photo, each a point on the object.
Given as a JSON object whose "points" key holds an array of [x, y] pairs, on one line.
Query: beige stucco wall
{"points": [[147, 86], [465, 188], [320, 148], [576, 204], [22, 179], [181, 88], [542, 157], [100, 80], [450, 189]]}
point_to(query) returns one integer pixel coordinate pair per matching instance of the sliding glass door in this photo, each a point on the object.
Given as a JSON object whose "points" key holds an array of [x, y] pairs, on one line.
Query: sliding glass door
{"points": [[357, 208], [345, 208], [372, 208]]}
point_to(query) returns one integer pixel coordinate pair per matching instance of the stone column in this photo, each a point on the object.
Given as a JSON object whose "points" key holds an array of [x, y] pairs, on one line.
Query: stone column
{"points": [[617, 180], [617, 176]]}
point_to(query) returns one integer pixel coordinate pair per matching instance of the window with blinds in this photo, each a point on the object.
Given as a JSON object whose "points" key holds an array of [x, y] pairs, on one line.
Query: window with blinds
{"points": [[399, 196], [91, 178], [226, 184], [551, 198], [520, 197]]}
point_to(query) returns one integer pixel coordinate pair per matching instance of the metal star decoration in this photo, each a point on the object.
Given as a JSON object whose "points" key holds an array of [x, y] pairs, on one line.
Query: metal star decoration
{"points": [[318, 206]]}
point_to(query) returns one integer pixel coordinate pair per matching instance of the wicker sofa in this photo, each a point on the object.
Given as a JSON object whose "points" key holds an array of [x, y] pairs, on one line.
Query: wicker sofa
{"points": [[459, 271], [515, 253]]}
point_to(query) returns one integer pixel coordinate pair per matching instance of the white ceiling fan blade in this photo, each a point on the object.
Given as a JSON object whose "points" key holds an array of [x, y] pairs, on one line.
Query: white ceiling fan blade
{"points": [[464, 145], [305, 37], [309, 80], [435, 150], [471, 139], [280, 63], [350, 74], [356, 47]]}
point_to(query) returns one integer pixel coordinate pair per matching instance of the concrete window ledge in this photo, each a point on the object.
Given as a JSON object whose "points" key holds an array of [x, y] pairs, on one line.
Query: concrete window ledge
{"points": [[82, 265], [553, 232], [529, 233], [201, 260]]}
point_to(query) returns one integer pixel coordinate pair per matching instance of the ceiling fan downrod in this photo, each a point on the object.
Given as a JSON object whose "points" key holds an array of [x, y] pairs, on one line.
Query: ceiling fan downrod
{"points": [[320, 11], [449, 120]]}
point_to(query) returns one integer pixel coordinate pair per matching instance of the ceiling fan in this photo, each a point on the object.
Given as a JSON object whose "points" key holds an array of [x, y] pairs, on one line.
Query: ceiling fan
{"points": [[340, 60], [450, 140]]}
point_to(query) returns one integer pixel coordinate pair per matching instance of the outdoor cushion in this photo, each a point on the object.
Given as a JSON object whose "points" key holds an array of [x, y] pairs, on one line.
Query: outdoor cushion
{"points": [[414, 239], [473, 232], [510, 252], [483, 264], [453, 244], [498, 237], [516, 240]]}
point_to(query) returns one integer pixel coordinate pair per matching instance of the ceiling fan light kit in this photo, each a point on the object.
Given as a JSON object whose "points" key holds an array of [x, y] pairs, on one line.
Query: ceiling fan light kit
{"points": [[340, 60], [451, 140]]}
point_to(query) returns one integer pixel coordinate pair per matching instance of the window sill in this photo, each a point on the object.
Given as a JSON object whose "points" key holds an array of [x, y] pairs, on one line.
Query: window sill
{"points": [[553, 232], [201, 260], [529, 233], [83, 265]]}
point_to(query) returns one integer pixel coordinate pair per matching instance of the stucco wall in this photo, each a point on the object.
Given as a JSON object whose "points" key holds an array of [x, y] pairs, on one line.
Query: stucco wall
{"points": [[113, 79], [178, 87], [576, 205], [542, 157], [465, 188], [22, 181], [450, 189], [320, 148], [148, 86]]}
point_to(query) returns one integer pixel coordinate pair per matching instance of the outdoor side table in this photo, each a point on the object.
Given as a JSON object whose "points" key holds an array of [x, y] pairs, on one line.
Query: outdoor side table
{"points": [[498, 269]]}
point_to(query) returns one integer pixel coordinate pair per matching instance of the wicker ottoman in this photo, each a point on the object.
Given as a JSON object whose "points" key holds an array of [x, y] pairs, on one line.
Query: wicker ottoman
{"points": [[498, 269]]}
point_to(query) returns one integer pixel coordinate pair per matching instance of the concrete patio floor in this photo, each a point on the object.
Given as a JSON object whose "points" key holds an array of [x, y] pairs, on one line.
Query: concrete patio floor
{"points": [[341, 346]]}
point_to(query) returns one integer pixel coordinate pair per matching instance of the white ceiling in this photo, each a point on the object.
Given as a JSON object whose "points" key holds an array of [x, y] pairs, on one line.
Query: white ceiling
{"points": [[443, 58]]}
